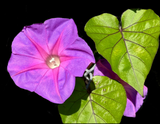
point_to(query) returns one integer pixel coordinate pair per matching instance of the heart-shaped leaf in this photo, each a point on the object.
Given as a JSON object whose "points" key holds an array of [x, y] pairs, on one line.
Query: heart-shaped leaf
{"points": [[105, 104], [129, 49]]}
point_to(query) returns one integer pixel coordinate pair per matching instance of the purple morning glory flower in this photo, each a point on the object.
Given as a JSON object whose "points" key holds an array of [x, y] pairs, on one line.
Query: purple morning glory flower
{"points": [[47, 57], [134, 99]]}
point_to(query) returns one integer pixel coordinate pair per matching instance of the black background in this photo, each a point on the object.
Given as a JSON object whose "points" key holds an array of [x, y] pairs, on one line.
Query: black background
{"points": [[18, 105]]}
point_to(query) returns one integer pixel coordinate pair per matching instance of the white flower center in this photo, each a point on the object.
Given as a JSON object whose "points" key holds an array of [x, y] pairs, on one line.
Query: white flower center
{"points": [[53, 61]]}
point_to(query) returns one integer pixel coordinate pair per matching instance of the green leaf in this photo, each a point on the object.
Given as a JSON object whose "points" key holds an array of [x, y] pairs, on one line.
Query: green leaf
{"points": [[129, 49], [105, 104]]}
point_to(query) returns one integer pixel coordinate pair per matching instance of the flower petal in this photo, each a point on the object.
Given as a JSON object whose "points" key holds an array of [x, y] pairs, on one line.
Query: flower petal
{"points": [[66, 83], [37, 34], [56, 86], [76, 57], [55, 28], [130, 91], [21, 45], [69, 35], [25, 71], [18, 63], [133, 107], [130, 109], [103, 68], [139, 98]]}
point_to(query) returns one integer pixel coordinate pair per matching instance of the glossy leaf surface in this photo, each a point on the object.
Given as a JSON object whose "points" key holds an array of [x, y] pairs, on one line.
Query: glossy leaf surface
{"points": [[105, 104], [130, 48]]}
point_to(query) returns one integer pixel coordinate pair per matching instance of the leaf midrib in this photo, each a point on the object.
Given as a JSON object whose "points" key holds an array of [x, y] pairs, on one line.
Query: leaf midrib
{"points": [[121, 31]]}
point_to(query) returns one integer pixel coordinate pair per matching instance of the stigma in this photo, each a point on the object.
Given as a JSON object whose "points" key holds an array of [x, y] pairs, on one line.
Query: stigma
{"points": [[53, 61]]}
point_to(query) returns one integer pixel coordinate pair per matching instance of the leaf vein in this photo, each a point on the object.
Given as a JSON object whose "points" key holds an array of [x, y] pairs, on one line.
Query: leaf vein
{"points": [[121, 59], [96, 33], [102, 86], [106, 37], [155, 32], [90, 118], [104, 108], [140, 72], [151, 27], [81, 111], [140, 32], [107, 97], [114, 46], [140, 46], [92, 108], [138, 22], [102, 26], [101, 118], [138, 58], [107, 48]]}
